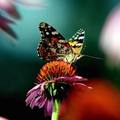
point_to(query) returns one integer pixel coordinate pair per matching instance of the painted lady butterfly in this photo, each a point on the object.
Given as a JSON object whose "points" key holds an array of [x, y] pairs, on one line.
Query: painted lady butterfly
{"points": [[54, 46]]}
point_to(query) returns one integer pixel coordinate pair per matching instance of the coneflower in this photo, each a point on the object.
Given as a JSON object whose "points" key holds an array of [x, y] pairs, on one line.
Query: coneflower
{"points": [[55, 81]]}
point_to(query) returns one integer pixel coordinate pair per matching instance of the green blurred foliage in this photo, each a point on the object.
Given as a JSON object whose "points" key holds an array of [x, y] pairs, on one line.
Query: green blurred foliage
{"points": [[19, 64]]}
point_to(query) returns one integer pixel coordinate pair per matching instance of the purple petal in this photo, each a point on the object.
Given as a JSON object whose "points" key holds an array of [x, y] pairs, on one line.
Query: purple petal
{"points": [[48, 107], [33, 96], [32, 103], [71, 79], [41, 102], [34, 89], [36, 101]]}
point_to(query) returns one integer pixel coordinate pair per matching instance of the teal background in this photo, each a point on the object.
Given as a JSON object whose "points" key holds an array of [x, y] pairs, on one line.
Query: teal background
{"points": [[19, 64]]}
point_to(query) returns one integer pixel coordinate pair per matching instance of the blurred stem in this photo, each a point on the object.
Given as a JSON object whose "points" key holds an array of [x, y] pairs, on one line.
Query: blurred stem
{"points": [[55, 113]]}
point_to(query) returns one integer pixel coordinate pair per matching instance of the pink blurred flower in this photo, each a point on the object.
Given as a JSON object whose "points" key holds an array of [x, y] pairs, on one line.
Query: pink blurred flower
{"points": [[30, 3], [110, 36], [4, 26], [2, 118], [8, 7]]}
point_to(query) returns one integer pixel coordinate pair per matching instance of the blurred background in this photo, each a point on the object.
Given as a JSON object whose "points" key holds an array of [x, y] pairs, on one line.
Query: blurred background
{"points": [[19, 37]]}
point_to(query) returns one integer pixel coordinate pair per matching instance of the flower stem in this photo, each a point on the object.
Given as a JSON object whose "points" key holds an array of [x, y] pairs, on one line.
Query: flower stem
{"points": [[55, 113]]}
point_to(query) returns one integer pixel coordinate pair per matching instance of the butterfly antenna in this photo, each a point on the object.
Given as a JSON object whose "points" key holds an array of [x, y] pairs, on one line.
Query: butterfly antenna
{"points": [[92, 57]]}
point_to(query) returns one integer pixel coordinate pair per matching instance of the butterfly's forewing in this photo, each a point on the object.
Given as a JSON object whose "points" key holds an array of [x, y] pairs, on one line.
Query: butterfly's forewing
{"points": [[47, 31], [76, 42], [53, 45]]}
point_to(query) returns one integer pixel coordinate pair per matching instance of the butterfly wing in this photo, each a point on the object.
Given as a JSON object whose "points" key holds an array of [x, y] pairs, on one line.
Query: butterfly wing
{"points": [[76, 42], [47, 31], [53, 45]]}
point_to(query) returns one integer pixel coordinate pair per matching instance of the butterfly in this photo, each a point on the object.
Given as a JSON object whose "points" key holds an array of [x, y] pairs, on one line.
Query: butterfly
{"points": [[54, 46]]}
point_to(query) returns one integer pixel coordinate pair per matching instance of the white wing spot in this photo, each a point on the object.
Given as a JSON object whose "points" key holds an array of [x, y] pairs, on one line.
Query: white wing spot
{"points": [[75, 38], [83, 32], [81, 37], [54, 33], [49, 26], [47, 33]]}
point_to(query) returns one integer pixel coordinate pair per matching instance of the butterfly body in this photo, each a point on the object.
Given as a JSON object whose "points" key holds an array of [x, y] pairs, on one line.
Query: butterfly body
{"points": [[54, 46]]}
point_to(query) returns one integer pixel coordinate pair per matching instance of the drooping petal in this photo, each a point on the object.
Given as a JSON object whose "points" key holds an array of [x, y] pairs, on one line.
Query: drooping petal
{"points": [[33, 96], [30, 100], [37, 87], [41, 102], [48, 107], [73, 79]]}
